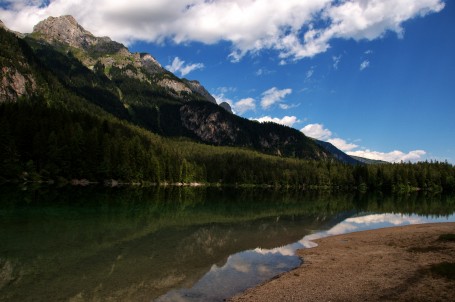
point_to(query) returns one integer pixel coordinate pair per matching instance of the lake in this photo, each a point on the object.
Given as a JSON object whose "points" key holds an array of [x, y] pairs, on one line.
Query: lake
{"points": [[176, 244]]}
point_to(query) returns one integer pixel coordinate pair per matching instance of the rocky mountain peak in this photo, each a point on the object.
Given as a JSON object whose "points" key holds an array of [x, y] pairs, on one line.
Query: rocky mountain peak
{"points": [[67, 31], [64, 29]]}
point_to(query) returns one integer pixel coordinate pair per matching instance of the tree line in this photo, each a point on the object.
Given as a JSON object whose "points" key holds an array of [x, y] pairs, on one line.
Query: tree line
{"points": [[43, 142]]}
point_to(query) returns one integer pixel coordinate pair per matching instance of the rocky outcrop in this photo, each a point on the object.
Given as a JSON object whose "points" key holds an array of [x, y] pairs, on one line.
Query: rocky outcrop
{"points": [[196, 87], [150, 63], [209, 125], [177, 88], [226, 107], [16, 76], [67, 31], [14, 84]]}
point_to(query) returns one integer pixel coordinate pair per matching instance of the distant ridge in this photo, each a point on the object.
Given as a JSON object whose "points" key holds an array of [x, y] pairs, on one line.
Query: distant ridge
{"points": [[369, 161], [338, 154]]}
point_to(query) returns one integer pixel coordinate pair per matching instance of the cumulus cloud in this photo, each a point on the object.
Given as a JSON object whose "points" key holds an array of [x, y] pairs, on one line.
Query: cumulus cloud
{"points": [[317, 131], [342, 144], [244, 105], [364, 64], [179, 66], [286, 120], [238, 107], [393, 156], [295, 29], [273, 95]]}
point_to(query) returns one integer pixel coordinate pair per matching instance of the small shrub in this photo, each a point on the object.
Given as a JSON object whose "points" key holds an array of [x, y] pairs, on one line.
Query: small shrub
{"points": [[444, 269], [447, 237]]}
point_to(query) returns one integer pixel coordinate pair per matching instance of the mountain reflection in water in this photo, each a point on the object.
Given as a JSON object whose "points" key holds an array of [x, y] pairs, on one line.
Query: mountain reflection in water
{"points": [[166, 244]]}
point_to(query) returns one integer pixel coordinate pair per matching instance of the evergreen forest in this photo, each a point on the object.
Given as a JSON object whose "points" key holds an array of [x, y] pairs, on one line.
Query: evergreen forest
{"points": [[72, 124]]}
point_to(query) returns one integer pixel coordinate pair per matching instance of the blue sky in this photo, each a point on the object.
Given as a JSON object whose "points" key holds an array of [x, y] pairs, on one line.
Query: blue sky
{"points": [[375, 78]]}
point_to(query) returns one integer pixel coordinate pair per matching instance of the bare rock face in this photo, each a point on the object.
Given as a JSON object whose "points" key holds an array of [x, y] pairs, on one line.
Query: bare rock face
{"points": [[175, 86], [67, 31], [14, 84], [209, 126], [16, 79], [150, 63], [196, 87]]}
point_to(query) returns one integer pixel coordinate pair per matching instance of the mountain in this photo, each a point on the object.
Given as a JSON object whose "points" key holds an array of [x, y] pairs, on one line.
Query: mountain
{"points": [[136, 88], [77, 108], [80, 106], [338, 154], [66, 35]]}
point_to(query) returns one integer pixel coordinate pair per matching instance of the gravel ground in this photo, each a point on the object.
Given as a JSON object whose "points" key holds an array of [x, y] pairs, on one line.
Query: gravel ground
{"points": [[391, 264]]}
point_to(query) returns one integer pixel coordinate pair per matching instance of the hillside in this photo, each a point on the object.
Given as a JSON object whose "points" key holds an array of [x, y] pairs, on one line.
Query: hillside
{"points": [[62, 120], [74, 106], [136, 88]]}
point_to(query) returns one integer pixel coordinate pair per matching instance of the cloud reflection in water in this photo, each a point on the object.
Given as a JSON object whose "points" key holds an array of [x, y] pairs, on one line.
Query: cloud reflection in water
{"points": [[249, 268]]}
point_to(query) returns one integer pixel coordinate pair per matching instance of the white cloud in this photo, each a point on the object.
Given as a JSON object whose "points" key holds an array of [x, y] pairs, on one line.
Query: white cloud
{"points": [[317, 131], [238, 107], [263, 72], [250, 26], [364, 64], [342, 144], [393, 156], [179, 66], [336, 61], [222, 90], [244, 105], [309, 73], [272, 96], [286, 120], [286, 106]]}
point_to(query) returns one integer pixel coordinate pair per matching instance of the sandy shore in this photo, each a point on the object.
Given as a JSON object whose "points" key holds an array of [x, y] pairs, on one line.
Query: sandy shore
{"points": [[391, 264]]}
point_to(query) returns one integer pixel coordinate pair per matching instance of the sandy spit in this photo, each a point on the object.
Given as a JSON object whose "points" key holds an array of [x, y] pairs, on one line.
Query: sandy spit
{"points": [[391, 264]]}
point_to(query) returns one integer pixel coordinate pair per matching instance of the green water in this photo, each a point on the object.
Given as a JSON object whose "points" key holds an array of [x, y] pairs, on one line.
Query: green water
{"points": [[94, 244]]}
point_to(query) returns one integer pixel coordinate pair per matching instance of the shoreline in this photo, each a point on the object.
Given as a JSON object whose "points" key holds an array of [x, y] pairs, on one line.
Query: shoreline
{"points": [[395, 263]]}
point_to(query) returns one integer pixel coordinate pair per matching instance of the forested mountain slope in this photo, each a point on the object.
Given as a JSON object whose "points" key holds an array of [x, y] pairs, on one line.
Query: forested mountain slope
{"points": [[136, 88], [75, 106]]}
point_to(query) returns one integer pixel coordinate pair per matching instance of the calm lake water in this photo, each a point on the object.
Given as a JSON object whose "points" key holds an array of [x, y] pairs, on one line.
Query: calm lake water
{"points": [[175, 244]]}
